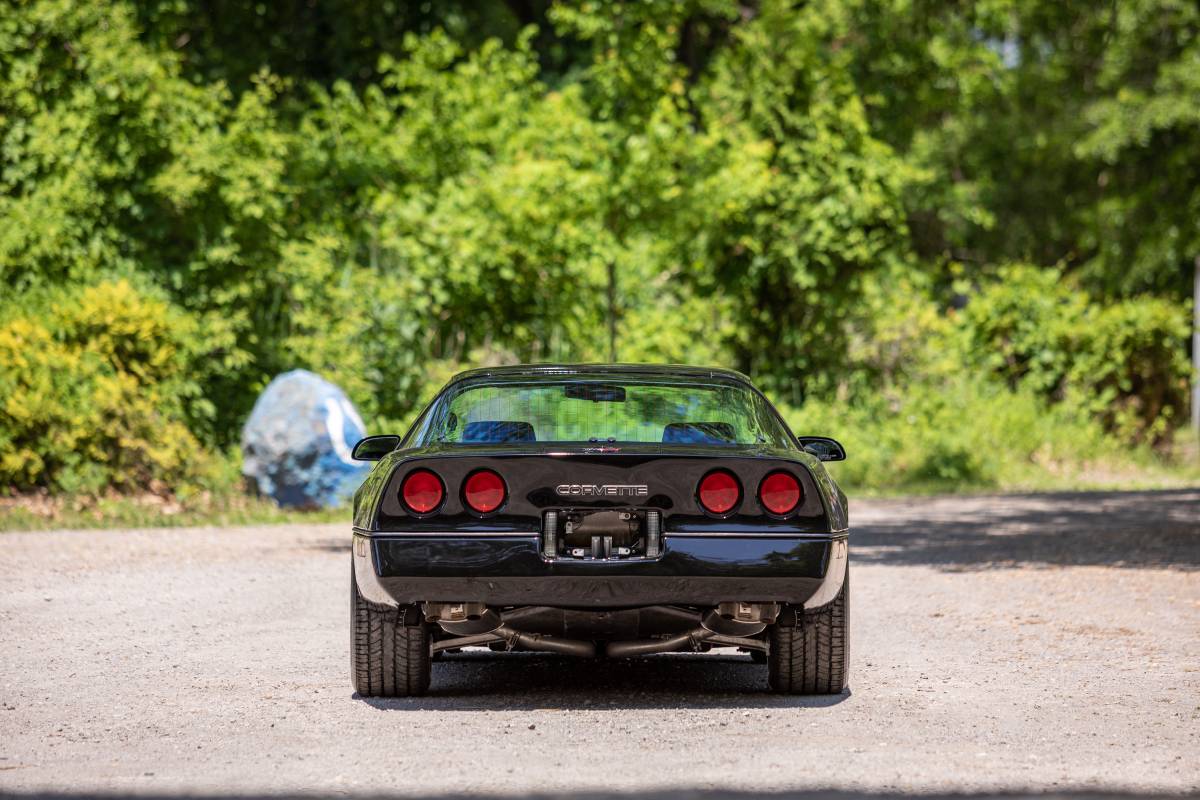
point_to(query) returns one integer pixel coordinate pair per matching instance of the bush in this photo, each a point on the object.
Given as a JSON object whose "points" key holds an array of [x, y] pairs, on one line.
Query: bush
{"points": [[97, 386], [1033, 383], [963, 433], [1124, 363], [1131, 370]]}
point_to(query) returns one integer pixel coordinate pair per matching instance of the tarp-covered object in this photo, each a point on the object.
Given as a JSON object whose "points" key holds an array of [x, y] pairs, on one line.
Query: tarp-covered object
{"points": [[296, 445]]}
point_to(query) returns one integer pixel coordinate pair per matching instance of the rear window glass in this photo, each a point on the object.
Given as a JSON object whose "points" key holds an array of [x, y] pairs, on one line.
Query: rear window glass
{"points": [[601, 410]]}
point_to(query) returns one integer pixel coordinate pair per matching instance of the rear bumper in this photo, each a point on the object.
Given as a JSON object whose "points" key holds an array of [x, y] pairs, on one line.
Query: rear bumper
{"points": [[510, 570]]}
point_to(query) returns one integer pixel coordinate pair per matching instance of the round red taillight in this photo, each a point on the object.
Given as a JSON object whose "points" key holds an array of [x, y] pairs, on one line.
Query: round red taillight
{"points": [[719, 492], [780, 493], [484, 491], [422, 491]]}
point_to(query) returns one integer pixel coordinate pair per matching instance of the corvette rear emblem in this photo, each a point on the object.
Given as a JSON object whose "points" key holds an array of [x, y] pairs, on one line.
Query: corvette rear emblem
{"points": [[601, 490]]}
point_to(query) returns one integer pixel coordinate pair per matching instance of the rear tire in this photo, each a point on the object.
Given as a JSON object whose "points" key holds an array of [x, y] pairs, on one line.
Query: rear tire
{"points": [[389, 648], [810, 656]]}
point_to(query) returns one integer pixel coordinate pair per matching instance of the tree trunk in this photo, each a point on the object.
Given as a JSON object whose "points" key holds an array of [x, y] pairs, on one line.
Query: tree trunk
{"points": [[1196, 347], [612, 312]]}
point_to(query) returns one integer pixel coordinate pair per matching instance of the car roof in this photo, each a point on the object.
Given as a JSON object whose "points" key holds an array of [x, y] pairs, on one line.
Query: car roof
{"points": [[551, 372]]}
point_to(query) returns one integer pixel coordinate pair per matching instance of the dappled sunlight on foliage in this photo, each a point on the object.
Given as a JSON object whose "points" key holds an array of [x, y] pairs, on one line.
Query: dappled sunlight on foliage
{"points": [[936, 231]]}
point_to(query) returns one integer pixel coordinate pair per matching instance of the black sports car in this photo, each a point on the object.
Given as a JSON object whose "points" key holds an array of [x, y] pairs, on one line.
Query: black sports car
{"points": [[599, 510]]}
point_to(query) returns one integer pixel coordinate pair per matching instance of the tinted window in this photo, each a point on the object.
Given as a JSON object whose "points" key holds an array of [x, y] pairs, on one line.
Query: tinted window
{"points": [[601, 410]]}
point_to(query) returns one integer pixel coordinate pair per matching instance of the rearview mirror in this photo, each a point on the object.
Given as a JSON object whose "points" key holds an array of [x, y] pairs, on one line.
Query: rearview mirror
{"points": [[596, 392], [374, 448], [823, 447]]}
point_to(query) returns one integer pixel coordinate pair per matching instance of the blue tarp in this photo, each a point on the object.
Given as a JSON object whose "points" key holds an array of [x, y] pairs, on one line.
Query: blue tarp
{"points": [[296, 445]]}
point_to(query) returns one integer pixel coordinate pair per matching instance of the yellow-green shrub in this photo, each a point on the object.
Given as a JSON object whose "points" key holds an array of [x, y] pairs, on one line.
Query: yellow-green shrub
{"points": [[95, 391]]}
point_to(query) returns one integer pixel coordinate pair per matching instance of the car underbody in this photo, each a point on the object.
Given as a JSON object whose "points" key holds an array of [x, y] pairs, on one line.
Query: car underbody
{"points": [[617, 633]]}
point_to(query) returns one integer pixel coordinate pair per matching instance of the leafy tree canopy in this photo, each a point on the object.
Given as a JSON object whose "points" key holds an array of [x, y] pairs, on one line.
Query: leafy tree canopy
{"points": [[381, 191]]}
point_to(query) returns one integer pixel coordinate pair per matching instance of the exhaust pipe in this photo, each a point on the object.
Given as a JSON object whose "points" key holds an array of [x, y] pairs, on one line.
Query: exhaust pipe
{"points": [[482, 625], [526, 641], [730, 624], [684, 641], [548, 644], [727, 624], [681, 641]]}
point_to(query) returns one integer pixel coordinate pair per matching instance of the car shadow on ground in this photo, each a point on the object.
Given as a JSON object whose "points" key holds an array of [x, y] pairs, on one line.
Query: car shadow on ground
{"points": [[1113, 529], [479, 679]]}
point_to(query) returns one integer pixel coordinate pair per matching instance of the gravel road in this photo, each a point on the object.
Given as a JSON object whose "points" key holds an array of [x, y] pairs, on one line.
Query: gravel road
{"points": [[1016, 643]]}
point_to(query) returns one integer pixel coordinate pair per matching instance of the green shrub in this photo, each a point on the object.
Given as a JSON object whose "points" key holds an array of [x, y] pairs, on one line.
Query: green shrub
{"points": [[1123, 363], [961, 433], [96, 387], [1131, 370]]}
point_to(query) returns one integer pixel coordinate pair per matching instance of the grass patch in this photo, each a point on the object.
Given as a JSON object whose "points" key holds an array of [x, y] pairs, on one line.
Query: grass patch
{"points": [[1068, 477], [43, 512]]}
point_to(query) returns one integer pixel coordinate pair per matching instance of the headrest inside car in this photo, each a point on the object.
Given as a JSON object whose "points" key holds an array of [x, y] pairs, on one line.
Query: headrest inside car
{"points": [[498, 431], [699, 433]]}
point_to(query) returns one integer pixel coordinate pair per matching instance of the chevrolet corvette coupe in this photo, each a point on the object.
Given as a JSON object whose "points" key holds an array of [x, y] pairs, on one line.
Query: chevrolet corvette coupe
{"points": [[599, 511]]}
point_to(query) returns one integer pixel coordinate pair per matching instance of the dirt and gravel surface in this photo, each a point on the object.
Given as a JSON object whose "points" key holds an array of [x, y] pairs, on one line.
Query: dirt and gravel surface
{"points": [[1035, 642]]}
